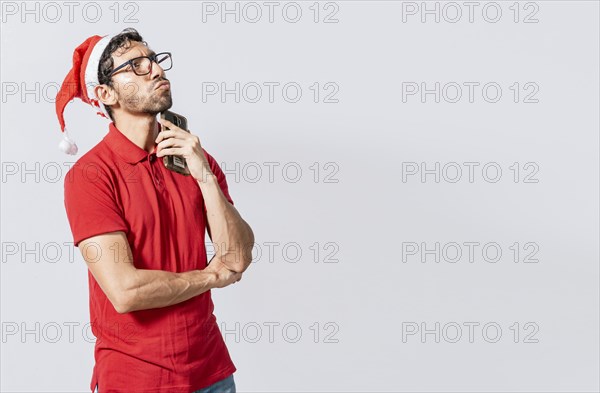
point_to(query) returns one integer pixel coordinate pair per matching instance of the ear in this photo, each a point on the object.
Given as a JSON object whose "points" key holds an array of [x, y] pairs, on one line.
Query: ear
{"points": [[106, 94]]}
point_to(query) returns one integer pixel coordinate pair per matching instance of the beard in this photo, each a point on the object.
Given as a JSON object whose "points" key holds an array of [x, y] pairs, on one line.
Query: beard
{"points": [[153, 102]]}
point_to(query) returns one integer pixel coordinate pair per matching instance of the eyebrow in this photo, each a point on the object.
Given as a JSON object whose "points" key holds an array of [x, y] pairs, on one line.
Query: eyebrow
{"points": [[151, 53]]}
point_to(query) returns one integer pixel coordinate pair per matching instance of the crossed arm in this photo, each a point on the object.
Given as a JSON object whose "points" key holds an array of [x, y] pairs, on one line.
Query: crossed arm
{"points": [[131, 289]]}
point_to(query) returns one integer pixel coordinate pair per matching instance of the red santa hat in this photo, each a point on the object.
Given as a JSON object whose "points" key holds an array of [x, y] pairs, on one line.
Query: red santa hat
{"points": [[80, 83]]}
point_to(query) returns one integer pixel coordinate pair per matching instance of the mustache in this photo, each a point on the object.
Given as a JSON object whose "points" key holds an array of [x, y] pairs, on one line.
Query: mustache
{"points": [[160, 81]]}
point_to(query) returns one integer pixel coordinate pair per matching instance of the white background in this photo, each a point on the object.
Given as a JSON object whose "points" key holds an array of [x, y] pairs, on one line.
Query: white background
{"points": [[359, 211]]}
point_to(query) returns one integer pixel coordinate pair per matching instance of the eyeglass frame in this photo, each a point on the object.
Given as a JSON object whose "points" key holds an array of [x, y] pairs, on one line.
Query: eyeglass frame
{"points": [[152, 59]]}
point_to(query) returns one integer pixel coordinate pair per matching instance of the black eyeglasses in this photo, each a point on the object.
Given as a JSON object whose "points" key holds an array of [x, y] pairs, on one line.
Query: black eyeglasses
{"points": [[143, 65]]}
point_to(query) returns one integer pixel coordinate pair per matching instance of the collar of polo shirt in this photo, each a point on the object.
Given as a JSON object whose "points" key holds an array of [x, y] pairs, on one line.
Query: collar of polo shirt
{"points": [[123, 147]]}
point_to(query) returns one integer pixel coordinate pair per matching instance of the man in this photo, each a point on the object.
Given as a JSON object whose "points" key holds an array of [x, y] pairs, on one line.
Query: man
{"points": [[140, 228]]}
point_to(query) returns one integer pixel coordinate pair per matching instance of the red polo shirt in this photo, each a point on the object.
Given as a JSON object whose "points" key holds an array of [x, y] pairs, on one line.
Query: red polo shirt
{"points": [[118, 186]]}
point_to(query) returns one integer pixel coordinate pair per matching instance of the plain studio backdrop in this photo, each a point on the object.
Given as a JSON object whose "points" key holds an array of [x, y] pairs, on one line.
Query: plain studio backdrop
{"points": [[421, 177]]}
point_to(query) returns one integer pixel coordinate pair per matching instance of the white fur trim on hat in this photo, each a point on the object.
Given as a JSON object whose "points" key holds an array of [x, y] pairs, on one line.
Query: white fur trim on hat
{"points": [[91, 70]]}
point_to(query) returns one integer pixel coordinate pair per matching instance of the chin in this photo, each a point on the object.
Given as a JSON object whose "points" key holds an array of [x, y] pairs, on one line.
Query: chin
{"points": [[167, 104], [160, 107]]}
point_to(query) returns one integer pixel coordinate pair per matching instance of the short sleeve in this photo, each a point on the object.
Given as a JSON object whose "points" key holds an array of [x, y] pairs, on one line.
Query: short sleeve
{"points": [[90, 203], [216, 169]]}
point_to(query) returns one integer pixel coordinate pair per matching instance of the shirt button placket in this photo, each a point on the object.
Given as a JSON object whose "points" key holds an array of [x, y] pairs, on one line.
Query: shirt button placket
{"points": [[156, 175]]}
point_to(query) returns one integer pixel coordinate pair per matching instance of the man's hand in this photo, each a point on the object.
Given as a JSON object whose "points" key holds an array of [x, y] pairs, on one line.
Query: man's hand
{"points": [[224, 276], [176, 141]]}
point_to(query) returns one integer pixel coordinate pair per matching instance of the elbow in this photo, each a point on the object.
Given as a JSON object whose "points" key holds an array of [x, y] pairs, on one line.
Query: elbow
{"points": [[122, 306], [124, 297], [122, 302], [247, 259], [249, 245], [251, 242], [242, 262], [250, 234], [121, 309], [240, 258], [242, 255]]}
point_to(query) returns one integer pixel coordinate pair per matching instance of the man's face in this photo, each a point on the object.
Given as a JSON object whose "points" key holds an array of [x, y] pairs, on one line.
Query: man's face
{"points": [[138, 93]]}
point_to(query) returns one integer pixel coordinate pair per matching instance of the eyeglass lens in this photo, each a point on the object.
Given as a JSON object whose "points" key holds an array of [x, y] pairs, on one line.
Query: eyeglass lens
{"points": [[142, 65]]}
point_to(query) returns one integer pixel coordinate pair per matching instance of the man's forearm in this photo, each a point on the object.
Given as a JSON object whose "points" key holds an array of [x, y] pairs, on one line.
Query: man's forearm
{"points": [[231, 235], [157, 288]]}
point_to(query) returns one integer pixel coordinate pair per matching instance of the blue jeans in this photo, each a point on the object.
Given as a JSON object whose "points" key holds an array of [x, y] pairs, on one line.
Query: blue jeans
{"points": [[226, 385]]}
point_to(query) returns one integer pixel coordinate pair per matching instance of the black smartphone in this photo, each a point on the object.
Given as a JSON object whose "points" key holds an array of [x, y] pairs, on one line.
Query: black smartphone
{"points": [[172, 162]]}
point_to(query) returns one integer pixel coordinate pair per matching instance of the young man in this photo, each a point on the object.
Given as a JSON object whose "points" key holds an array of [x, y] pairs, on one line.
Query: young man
{"points": [[141, 228]]}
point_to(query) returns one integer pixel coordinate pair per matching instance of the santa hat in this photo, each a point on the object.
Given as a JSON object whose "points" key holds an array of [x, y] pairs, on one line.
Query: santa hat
{"points": [[80, 83]]}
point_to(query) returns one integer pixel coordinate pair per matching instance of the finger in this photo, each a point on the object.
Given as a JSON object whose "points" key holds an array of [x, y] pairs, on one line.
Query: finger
{"points": [[175, 151], [170, 142], [164, 135], [168, 126], [166, 123], [178, 134]]}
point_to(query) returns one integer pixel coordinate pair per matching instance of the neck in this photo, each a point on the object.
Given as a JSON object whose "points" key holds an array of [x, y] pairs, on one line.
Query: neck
{"points": [[141, 130]]}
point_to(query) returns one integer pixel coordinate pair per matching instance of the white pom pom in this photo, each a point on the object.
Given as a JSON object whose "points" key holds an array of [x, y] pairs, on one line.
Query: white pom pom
{"points": [[67, 145]]}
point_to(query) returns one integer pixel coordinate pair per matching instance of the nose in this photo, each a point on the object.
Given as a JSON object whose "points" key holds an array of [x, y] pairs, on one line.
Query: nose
{"points": [[157, 70]]}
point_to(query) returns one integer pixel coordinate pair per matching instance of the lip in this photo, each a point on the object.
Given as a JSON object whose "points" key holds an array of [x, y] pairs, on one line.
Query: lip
{"points": [[163, 85]]}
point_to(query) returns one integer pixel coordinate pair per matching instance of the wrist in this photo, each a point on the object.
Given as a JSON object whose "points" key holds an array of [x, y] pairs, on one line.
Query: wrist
{"points": [[207, 178], [212, 280], [206, 277]]}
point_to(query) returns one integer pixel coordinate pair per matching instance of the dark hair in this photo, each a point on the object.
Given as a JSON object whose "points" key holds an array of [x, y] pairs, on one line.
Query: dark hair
{"points": [[106, 65]]}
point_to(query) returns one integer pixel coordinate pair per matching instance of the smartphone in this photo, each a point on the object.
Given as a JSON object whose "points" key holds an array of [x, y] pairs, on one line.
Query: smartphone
{"points": [[172, 162]]}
